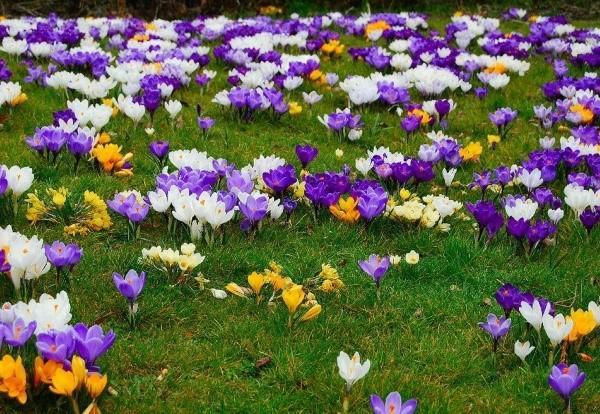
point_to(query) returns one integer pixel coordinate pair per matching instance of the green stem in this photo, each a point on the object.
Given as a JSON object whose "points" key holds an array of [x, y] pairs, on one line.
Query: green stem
{"points": [[74, 405]]}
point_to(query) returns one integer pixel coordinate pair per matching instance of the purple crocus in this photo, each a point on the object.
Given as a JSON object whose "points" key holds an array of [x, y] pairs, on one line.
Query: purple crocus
{"points": [[497, 327], [393, 404], [62, 255], [502, 117], [159, 149], [91, 343], [410, 124], [509, 298], [487, 217], [79, 144], [376, 267], [205, 123], [56, 345], [254, 208], [305, 154], [565, 380], [131, 285], [280, 178], [371, 203], [17, 333], [480, 93]]}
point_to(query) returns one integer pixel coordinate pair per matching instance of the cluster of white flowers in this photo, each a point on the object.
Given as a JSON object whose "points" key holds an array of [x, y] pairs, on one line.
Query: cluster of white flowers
{"points": [[49, 313], [26, 256]]}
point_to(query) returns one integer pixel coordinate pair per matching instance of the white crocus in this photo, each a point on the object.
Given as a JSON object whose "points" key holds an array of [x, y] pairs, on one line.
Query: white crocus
{"points": [[533, 314], [531, 179], [595, 309], [364, 165], [351, 370], [556, 215], [523, 349], [173, 107], [557, 328], [448, 176]]}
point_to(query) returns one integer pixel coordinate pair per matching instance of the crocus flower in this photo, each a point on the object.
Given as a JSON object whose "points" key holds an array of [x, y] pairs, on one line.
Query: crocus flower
{"points": [[56, 345], [205, 123], [130, 287], [254, 208], [392, 405], [508, 297], [523, 349], [18, 332], [565, 380], [351, 370], [159, 149], [280, 178], [496, 327], [91, 343], [533, 313], [376, 267], [305, 154]]}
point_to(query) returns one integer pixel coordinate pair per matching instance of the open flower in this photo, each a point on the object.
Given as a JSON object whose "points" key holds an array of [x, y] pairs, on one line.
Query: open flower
{"points": [[376, 267], [565, 380], [13, 379], [392, 405], [345, 210]]}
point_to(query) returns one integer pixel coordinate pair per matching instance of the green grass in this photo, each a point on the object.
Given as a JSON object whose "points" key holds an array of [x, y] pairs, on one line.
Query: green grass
{"points": [[421, 337]]}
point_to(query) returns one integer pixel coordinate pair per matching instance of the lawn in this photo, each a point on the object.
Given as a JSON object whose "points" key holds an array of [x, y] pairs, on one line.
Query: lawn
{"points": [[190, 352]]}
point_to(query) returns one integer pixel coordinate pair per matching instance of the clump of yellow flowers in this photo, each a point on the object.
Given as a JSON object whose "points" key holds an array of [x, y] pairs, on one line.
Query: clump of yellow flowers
{"points": [[333, 48], [59, 206], [176, 264], [271, 283], [60, 381]]}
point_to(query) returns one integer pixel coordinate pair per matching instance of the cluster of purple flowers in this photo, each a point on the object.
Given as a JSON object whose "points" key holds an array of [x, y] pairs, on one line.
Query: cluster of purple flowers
{"points": [[502, 118], [49, 141], [90, 343]]}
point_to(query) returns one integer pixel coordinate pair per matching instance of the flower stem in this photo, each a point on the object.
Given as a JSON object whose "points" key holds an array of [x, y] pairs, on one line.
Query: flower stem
{"points": [[74, 405]]}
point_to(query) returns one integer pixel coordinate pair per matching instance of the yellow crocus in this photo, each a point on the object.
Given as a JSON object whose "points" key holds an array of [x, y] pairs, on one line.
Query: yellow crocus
{"points": [[345, 210], [235, 289], [295, 108], [471, 152], [95, 384], [256, 282], [312, 313], [583, 323], [293, 297], [79, 370], [13, 379], [44, 371], [63, 383]]}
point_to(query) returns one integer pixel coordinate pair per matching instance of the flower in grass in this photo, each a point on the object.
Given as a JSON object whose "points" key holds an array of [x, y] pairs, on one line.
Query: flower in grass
{"points": [[111, 159], [339, 153], [496, 326], [306, 154], [95, 383], [584, 323], [393, 404], [376, 267], [345, 210], [13, 378], [412, 257], [294, 108], [62, 255], [292, 297], [159, 149], [566, 380], [523, 349], [557, 328], [256, 282], [351, 369], [17, 333], [130, 286], [471, 151], [533, 313], [238, 290]]}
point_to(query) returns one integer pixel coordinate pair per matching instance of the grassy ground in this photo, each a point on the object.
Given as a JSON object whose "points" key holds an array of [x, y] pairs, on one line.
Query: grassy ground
{"points": [[421, 338]]}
